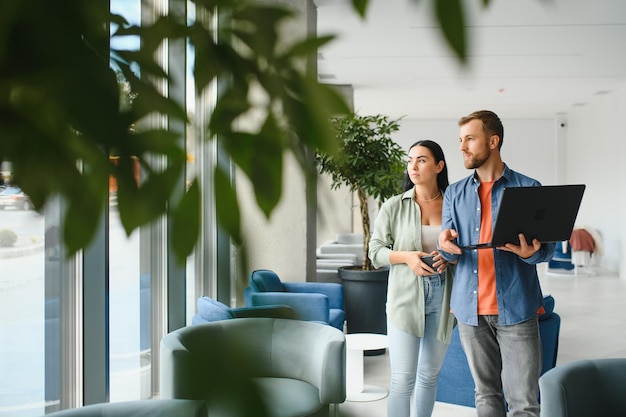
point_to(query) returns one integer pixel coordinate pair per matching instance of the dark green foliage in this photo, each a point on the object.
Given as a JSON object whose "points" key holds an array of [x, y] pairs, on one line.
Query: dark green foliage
{"points": [[61, 118], [369, 162], [369, 159], [61, 114]]}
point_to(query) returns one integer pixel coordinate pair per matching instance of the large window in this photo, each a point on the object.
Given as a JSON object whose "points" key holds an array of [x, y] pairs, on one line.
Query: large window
{"points": [[130, 279], [86, 329], [24, 304]]}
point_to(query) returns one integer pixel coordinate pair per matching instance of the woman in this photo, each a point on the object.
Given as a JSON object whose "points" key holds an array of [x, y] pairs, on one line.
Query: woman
{"points": [[419, 322]]}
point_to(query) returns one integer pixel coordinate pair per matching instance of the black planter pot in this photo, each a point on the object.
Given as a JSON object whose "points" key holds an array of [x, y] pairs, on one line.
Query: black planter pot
{"points": [[365, 296]]}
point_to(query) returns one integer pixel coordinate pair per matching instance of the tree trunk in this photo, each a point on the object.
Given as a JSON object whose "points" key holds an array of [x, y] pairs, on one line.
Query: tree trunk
{"points": [[365, 217]]}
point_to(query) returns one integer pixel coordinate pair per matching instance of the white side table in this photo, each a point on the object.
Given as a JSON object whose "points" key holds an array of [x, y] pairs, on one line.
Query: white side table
{"points": [[356, 343]]}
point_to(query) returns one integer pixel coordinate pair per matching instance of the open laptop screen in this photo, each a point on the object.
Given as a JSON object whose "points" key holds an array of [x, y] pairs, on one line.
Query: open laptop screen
{"points": [[547, 213]]}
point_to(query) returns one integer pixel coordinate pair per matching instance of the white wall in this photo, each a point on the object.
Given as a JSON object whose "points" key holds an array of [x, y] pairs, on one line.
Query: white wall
{"points": [[595, 153], [281, 243], [527, 148], [277, 243], [336, 211], [620, 170]]}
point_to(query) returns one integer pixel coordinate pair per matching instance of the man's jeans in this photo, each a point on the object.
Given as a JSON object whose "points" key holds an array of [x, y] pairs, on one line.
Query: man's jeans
{"points": [[410, 355], [511, 351]]}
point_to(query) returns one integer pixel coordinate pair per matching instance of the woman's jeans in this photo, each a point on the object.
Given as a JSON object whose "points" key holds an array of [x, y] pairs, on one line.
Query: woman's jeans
{"points": [[505, 362], [410, 356]]}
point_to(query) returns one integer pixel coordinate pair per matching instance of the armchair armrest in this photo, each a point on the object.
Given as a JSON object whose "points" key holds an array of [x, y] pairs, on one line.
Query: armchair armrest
{"points": [[332, 290], [308, 307], [328, 366], [313, 353]]}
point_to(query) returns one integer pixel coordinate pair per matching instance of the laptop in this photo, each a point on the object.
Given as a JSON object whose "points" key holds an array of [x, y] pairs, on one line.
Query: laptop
{"points": [[546, 213]]}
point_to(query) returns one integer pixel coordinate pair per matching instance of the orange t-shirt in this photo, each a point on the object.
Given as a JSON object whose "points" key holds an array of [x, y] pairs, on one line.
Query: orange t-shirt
{"points": [[487, 300]]}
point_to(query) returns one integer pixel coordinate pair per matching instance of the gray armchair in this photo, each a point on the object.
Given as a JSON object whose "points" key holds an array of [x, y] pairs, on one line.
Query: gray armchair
{"points": [[584, 388], [285, 367]]}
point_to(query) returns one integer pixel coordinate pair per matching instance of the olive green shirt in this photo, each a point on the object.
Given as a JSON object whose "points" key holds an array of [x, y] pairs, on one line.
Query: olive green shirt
{"points": [[398, 227]]}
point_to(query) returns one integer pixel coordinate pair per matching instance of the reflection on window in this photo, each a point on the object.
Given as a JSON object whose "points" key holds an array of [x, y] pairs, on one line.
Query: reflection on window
{"points": [[129, 354]]}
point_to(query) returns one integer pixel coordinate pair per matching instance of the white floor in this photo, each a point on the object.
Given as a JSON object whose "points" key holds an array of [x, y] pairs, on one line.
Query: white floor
{"points": [[592, 307]]}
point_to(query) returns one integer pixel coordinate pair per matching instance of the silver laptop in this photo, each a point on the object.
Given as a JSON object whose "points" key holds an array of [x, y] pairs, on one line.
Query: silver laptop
{"points": [[546, 213]]}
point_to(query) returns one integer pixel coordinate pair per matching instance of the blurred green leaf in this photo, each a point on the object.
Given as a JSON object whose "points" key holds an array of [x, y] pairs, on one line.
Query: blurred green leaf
{"points": [[360, 6], [226, 205], [61, 111], [259, 156], [309, 46], [186, 222], [257, 27], [451, 18], [140, 204]]}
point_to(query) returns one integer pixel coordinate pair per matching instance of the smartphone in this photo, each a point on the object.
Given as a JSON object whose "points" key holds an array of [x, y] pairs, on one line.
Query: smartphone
{"points": [[429, 260]]}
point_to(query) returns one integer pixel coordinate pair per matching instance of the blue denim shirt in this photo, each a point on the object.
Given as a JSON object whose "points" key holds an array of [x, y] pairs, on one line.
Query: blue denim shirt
{"points": [[517, 283]]}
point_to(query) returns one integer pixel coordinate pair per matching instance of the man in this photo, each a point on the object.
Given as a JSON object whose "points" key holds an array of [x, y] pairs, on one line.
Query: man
{"points": [[496, 294]]}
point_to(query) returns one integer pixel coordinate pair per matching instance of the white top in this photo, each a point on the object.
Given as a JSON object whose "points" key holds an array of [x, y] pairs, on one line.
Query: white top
{"points": [[430, 234]]}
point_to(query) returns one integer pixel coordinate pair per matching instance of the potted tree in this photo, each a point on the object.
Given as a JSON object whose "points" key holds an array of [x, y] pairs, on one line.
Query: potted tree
{"points": [[368, 162], [371, 164]]}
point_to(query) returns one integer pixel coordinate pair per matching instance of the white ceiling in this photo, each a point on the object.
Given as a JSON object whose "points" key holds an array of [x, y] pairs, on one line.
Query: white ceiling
{"points": [[527, 58]]}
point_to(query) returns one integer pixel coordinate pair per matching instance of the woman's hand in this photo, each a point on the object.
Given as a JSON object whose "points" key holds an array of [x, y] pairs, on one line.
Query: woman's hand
{"points": [[419, 267]]}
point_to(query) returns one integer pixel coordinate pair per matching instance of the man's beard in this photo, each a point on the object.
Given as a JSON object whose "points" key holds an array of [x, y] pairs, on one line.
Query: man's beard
{"points": [[476, 161]]}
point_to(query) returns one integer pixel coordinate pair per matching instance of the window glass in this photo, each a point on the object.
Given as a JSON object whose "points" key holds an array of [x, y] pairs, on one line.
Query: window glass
{"points": [[30, 322], [192, 140], [129, 290]]}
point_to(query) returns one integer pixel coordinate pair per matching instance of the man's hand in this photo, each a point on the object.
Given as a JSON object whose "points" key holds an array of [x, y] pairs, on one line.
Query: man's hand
{"points": [[523, 250], [445, 241]]}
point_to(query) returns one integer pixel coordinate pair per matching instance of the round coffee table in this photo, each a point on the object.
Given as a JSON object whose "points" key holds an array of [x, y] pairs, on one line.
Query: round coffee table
{"points": [[356, 343]]}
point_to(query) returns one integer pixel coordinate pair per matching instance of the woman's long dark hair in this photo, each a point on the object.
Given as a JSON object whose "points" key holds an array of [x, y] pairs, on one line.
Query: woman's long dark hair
{"points": [[435, 149]]}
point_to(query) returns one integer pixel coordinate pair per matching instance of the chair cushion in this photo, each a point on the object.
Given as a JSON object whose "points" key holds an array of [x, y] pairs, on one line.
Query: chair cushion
{"points": [[212, 310], [266, 281], [286, 397]]}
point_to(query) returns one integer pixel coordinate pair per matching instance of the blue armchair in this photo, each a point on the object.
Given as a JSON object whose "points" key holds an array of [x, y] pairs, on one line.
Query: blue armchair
{"points": [[311, 301], [210, 310]]}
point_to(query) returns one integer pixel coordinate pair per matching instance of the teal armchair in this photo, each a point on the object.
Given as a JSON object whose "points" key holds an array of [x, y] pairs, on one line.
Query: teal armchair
{"points": [[280, 366], [584, 388]]}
